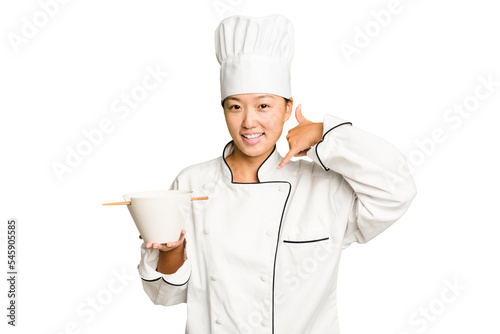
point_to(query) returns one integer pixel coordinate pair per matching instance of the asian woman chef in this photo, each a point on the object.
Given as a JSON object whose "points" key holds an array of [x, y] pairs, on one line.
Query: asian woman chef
{"points": [[261, 254]]}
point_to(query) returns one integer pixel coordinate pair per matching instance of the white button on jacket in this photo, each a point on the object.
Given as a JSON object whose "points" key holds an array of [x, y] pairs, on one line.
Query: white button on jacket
{"points": [[263, 257]]}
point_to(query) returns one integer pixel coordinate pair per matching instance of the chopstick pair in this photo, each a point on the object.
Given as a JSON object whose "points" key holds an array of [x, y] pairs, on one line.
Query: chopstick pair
{"points": [[129, 202]]}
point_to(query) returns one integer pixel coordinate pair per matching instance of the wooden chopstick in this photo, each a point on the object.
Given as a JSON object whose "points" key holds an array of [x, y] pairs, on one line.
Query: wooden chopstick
{"points": [[199, 198], [129, 202], [117, 203]]}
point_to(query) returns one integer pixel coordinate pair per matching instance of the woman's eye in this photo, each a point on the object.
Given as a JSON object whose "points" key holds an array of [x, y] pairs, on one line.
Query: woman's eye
{"points": [[234, 107], [265, 105]]}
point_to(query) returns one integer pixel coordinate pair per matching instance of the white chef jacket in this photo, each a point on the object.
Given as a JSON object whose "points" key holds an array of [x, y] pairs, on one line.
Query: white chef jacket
{"points": [[263, 257]]}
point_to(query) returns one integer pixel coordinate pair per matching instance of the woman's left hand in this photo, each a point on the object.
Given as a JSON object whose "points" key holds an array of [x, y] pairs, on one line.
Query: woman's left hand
{"points": [[302, 137]]}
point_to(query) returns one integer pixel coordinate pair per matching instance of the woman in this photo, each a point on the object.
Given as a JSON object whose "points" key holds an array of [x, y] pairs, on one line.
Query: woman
{"points": [[264, 249]]}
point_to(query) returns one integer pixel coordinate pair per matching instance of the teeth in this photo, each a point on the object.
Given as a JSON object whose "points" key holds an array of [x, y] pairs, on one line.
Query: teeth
{"points": [[253, 136]]}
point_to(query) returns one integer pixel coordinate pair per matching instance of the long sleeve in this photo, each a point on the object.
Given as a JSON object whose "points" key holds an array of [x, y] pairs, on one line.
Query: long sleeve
{"points": [[375, 175], [161, 288]]}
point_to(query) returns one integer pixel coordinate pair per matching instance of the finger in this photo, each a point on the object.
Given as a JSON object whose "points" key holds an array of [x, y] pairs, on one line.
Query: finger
{"points": [[178, 242], [287, 158], [298, 114], [170, 245], [181, 239], [302, 153]]}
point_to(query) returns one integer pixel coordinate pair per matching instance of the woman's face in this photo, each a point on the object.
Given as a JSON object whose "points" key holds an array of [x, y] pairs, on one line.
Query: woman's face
{"points": [[255, 121]]}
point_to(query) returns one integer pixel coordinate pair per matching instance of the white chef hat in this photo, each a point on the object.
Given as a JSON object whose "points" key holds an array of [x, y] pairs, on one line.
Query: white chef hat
{"points": [[255, 54]]}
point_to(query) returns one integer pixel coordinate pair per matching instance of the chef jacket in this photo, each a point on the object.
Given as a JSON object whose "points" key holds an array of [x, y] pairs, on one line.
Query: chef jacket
{"points": [[263, 257]]}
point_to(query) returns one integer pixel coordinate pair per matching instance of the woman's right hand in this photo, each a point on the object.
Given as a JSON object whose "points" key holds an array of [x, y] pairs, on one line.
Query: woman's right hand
{"points": [[168, 246]]}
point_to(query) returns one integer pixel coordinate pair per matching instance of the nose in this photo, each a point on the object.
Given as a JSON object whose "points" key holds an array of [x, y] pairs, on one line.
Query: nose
{"points": [[249, 120]]}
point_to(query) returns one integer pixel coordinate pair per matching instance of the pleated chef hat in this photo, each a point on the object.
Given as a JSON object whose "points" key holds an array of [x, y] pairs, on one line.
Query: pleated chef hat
{"points": [[255, 54]]}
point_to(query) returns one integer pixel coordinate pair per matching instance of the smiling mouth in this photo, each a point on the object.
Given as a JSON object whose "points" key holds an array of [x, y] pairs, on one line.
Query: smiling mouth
{"points": [[253, 136]]}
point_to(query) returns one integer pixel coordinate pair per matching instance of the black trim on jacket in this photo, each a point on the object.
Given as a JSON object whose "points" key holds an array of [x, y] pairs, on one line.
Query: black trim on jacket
{"points": [[281, 219], [304, 241], [154, 280], [316, 149]]}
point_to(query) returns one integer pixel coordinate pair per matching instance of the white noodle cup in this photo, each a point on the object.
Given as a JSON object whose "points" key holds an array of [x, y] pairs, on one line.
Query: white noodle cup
{"points": [[159, 215]]}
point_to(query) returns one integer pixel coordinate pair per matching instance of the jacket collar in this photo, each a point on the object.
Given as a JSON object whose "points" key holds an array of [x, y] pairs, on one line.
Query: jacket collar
{"points": [[266, 171]]}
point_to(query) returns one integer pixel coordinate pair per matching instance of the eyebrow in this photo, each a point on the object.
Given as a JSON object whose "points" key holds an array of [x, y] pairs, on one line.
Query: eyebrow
{"points": [[259, 97]]}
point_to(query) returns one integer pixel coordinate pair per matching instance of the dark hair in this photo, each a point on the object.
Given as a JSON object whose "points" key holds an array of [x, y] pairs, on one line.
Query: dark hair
{"points": [[223, 101]]}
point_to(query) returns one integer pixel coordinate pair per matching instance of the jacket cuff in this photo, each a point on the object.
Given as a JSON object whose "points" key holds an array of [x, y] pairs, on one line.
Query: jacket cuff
{"points": [[149, 261], [330, 123]]}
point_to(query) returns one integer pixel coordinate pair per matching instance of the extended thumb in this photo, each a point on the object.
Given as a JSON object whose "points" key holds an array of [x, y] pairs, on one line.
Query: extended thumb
{"points": [[298, 114]]}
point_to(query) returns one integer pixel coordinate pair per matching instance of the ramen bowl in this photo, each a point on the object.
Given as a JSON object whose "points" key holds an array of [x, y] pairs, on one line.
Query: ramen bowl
{"points": [[159, 215]]}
